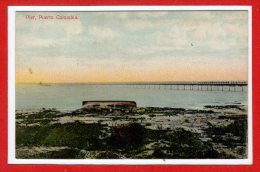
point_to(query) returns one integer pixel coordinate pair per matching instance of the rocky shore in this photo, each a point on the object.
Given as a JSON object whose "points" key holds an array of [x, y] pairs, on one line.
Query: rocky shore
{"points": [[214, 132]]}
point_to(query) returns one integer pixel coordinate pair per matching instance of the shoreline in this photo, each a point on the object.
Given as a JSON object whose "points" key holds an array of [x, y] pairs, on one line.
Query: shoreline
{"points": [[215, 132]]}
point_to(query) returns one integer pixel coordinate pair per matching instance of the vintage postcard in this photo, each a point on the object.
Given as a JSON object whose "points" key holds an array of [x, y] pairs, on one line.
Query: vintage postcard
{"points": [[130, 85]]}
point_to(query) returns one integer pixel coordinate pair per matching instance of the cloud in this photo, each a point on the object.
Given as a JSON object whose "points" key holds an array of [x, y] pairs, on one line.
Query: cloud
{"points": [[135, 41], [101, 33], [25, 42], [73, 28], [137, 24]]}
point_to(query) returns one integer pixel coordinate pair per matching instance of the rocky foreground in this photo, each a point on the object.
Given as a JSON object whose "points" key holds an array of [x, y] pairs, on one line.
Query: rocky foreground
{"points": [[214, 132]]}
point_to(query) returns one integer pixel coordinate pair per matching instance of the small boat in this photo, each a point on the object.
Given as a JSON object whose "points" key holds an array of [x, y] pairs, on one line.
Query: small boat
{"points": [[42, 84], [109, 105]]}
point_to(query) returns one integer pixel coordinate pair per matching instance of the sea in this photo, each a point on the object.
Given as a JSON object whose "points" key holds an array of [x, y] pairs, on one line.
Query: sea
{"points": [[70, 96]]}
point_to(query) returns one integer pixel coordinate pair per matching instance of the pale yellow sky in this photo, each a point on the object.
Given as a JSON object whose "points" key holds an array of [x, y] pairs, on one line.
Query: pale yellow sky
{"points": [[132, 47]]}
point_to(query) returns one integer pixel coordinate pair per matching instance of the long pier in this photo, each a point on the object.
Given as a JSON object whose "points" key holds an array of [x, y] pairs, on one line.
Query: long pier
{"points": [[200, 86]]}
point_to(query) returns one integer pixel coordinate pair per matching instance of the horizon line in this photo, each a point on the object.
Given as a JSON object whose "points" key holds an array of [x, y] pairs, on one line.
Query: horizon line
{"points": [[134, 82]]}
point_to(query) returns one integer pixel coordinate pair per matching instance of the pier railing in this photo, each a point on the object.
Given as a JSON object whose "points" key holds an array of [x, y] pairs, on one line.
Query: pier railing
{"points": [[200, 86]]}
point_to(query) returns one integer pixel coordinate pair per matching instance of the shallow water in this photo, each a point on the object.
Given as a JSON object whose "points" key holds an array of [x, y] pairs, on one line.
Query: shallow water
{"points": [[70, 96]]}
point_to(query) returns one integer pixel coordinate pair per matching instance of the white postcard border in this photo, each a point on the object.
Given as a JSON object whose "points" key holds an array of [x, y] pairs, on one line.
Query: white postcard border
{"points": [[11, 88]]}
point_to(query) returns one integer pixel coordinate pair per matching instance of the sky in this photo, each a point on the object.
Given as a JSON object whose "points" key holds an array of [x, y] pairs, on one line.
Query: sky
{"points": [[131, 46]]}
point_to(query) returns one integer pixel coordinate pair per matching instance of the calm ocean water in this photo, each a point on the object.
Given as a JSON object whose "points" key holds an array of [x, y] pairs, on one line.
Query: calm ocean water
{"points": [[70, 96]]}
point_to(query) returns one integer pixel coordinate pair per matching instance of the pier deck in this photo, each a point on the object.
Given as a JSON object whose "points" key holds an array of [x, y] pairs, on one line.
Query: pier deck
{"points": [[202, 86]]}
